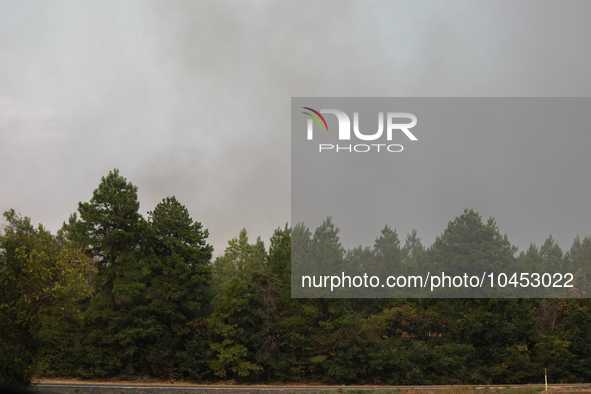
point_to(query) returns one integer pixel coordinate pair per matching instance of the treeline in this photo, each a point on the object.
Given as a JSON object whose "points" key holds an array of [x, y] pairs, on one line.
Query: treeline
{"points": [[114, 294]]}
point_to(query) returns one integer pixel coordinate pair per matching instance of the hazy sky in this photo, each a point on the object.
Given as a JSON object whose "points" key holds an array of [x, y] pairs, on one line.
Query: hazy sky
{"points": [[192, 98]]}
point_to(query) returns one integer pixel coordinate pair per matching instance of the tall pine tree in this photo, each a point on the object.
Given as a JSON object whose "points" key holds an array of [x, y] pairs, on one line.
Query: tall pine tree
{"points": [[112, 231]]}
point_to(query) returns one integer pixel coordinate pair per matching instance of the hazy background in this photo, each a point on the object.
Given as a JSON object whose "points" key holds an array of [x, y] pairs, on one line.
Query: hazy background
{"points": [[192, 98]]}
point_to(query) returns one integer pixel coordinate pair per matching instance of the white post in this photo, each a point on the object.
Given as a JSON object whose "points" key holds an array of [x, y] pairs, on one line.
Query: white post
{"points": [[546, 378]]}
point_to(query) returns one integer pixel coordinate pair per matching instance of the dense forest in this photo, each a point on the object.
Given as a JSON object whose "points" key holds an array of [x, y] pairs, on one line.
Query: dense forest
{"points": [[114, 294]]}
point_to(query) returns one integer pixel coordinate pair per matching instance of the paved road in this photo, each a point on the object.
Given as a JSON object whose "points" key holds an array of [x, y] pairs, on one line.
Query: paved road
{"points": [[211, 389]]}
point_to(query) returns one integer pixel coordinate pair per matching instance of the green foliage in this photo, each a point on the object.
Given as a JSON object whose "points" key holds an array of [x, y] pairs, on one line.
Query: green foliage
{"points": [[552, 255], [387, 252], [469, 246], [232, 326], [111, 229], [40, 276], [117, 323], [240, 259], [413, 253], [328, 252], [177, 284], [152, 289], [147, 310]]}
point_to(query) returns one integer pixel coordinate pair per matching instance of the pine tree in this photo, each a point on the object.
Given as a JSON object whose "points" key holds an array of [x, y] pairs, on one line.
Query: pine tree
{"points": [[178, 283], [111, 229], [117, 321], [232, 326], [470, 247], [240, 259]]}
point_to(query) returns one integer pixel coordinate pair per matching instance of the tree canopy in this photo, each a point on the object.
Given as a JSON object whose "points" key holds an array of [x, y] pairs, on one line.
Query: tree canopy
{"points": [[115, 294]]}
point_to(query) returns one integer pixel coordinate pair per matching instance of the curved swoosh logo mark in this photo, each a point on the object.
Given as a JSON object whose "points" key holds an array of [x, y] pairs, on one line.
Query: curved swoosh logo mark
{"points": [[315, 118]]}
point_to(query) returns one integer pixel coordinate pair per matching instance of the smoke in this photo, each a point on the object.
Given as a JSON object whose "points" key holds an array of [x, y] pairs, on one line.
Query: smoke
{"points": [[192, 98]]}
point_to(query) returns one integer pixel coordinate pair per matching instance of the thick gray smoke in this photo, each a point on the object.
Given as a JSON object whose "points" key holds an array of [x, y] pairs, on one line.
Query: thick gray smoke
{"points": [[191, 98]]}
